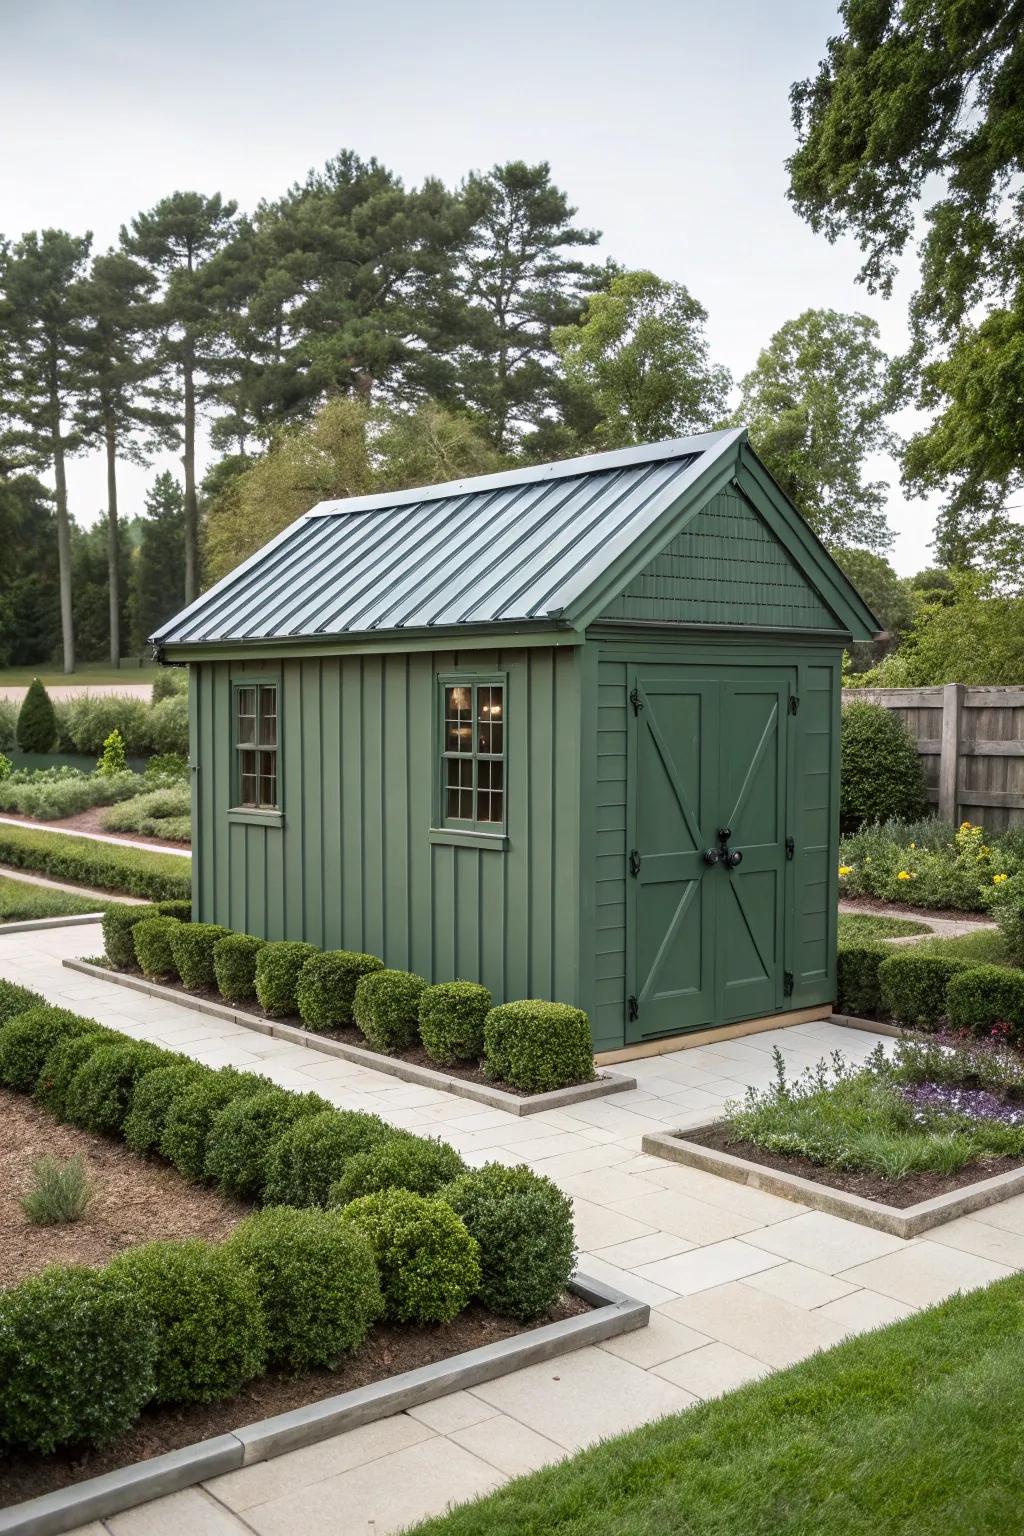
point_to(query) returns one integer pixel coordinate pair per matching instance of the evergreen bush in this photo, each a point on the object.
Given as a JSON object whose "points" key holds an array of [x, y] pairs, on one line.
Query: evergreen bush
{"points": [[984, 996], [234, 967], [62, 1064], [15, 1000], [429, 1265], [37, 723], [106, 866], [524, 1226], [306, 1161], [243, 1133], [857, 985], [880, 775], [538, 1046], [99, 1095], [404, 1161], [452, 1015], [27, 1040], [277, 975], [152, 941], [112, 758], [912, 987], [386, 1009], [192, 946], [193, 1110], [326, 987], [151, 1102]]}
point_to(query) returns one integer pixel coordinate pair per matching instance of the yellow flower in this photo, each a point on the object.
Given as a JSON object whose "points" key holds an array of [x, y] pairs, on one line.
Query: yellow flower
{"points": [[904, 874], [996, 879], [844, 870], [913, 845], [964, 824]]}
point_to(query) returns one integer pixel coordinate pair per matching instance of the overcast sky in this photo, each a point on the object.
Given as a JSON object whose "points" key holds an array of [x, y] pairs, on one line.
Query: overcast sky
{"points": [[666, 121]]}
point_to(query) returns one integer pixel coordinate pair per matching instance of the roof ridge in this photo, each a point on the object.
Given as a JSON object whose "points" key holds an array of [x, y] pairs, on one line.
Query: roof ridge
{"points": [[587, 464]]}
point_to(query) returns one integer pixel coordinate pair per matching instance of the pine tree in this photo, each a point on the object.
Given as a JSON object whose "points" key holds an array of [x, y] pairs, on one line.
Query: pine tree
{"points": [[159, 585], [37, 722], [41, 334], [29, 574], [176, 240]]}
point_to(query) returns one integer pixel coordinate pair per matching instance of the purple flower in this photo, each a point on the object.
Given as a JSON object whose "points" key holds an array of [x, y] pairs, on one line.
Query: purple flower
{"points": [[951, 1098]]}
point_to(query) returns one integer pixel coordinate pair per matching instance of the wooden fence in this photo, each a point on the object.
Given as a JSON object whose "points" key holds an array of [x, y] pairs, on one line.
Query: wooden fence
{"points": [[972, 744]]}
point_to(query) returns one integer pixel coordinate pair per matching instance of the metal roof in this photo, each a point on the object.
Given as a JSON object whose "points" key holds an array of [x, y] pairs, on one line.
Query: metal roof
{"points": [[514, 547]]}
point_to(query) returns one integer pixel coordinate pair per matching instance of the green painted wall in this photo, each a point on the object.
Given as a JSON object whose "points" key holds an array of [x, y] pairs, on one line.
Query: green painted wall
{"points": [[726, 567], [352, 863]]}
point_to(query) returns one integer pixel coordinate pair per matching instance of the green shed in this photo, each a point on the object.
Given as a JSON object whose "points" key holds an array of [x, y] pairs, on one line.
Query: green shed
{"points": [[571, 731]]}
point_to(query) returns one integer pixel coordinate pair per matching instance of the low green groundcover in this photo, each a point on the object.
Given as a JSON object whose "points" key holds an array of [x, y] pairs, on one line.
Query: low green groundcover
{"points": [[21, 902], [913, 1429]]}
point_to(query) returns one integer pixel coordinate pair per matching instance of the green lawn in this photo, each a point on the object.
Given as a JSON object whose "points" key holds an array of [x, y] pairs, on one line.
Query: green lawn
{"points": [[110, 867], [911, 1430], [89, 675], [986, 947], [860, 927], [19, 902]]}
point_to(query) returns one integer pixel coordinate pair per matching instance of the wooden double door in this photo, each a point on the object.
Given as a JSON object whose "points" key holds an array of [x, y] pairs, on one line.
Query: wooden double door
{"points": [[708, 813]]}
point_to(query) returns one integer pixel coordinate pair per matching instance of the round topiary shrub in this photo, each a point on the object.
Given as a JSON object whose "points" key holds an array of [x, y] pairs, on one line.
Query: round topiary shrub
{"points": [[78, 1351], [118, 923], [984, 996], [327, 987], [523, 1224], [37, 722], [881, 778], [234, 967], [429, 1265], [452, 1015], [29, 1038], [317, 1281], [62, 1064], [244, 1131], [211, 1333], [386, 1009], [192, 947], [99, 1095], [151, 1102], [15, 1000], [305, 1162], [152, 941], [193, 1110], [537, 1046], [277, 975], [402, 1162]]}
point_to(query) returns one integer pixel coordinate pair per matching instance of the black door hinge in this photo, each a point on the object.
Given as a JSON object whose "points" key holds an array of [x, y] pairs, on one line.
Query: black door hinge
{"points": [[636, 701], [794, 703], [790, 847], [632, 1007], [787, 983], [634, 862]]}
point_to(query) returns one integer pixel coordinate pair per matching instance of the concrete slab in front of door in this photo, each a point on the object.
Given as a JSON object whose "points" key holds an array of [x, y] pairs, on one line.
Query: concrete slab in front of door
{"points": [[906, 1222], [669, 1043]]}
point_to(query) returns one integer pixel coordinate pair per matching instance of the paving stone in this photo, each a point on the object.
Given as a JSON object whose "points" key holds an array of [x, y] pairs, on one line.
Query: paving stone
{"points": [[825, 1242], [191, 1510], [668, 1210], [710, 1371], [974, 1235], [661, 1340], [456, 1411], [586, 1396], [1008, 1215], [728, 1194], [703, 1268], [642, 1250], [628, 1281], [800, 1285], [606, 1186], [598, 1227], [862, 1310], [924, 1273], [513, 1448], [765, 1327]]}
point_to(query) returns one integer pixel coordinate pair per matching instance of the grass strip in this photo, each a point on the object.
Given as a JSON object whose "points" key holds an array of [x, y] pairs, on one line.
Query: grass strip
{"points": [[107, 866], [21, 903], [865, 926]]}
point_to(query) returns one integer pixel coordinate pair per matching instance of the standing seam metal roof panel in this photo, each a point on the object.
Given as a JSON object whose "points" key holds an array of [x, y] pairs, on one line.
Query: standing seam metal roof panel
{"points": [[501, 548]]}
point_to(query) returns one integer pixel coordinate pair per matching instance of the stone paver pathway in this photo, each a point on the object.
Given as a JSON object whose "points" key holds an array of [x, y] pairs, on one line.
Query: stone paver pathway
{"points": [[740, 1282], [95, 837]]}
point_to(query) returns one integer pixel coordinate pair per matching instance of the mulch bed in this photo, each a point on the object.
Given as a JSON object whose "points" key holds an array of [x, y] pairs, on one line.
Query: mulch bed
{"points": [[136, 1201], [850, 906], [871, 1186], [388, 1351], [91, 820]]}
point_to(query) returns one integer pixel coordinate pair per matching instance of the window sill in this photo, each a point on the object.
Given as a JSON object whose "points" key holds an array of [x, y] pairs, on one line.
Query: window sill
{"points": [[244, 817], [452, 837]]}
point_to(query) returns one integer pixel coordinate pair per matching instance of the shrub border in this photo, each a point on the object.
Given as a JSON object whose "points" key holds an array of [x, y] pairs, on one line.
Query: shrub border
{"points": [[113, 1492], [410, 1072]]}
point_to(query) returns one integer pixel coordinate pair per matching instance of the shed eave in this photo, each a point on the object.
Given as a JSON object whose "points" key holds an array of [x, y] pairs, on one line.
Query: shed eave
{"points": [[489, 636]]}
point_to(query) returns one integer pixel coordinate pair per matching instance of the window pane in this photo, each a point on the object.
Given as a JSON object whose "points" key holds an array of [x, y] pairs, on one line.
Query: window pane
{"points": [[490, 796], [489, 720], [459, 788], [249, 778], [268, 717], [458, 719], [246, 714], [268, 779]]}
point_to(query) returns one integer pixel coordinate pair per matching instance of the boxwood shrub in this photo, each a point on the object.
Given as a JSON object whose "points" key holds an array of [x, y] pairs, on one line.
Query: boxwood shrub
{"points": [[537, 1046], [63, 1062], [243, 1132], [192, 952], [403, 1161], [152, 1098], [429, 1265], [857, 986], [452, 1015], [152, 941], [99, 1095], [78, 1350], [277, 974], [913, 987], [211, 1333], [119, 920], [881, 777], [305, 1162], [327, 987], [986, 995], [15, 1000], [105, 866], [524, 1226], [192, 1112], [386, 1009], [29, 1038], [234, 966], [317, 1281]]}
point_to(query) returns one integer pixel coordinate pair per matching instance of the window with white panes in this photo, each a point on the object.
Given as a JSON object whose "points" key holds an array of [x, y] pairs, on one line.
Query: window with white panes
{"points": [[473, 755], [256, 746]]}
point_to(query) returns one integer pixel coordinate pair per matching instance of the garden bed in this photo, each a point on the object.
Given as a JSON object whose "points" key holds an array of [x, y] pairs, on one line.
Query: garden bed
{"points": [[868, 906], [92, 821], [412, 1066]]}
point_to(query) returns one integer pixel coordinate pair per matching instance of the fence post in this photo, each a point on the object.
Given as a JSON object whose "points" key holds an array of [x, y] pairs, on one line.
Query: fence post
{"points": [[952, 714]]}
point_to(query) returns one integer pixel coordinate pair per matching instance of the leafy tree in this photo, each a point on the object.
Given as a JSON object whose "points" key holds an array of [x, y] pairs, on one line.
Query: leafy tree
{"points": [[935, 584], [29, 578], [977, 638], [176, 240], [42, 336], [911, 98], [90, 578], [159, 585], [522, 279], [887, 595], [428, 445], [117, 396], [640, 354], [815, 404]]}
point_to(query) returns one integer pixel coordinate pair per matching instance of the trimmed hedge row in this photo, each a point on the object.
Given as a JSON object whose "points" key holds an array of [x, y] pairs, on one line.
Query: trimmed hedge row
{"points": [[367, 1221], [107, 866], [532, 1045], [920, 990]]}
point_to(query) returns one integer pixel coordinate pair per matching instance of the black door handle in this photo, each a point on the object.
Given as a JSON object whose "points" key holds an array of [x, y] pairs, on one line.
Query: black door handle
{"points": [[712, 856], [731, 858]]}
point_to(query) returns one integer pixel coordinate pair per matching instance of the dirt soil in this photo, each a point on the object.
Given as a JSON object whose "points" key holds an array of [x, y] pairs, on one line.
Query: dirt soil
{"points": [[871, 1186], [869, 905], [387, 1352], [136, 1201], [92, 821]]}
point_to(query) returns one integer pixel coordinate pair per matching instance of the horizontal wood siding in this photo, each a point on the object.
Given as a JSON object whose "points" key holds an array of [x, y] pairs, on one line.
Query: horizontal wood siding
{"points": [[352, 865]]}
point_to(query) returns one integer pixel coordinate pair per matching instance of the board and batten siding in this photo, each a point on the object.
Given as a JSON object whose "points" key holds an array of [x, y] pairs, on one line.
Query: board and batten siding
{"points": [[353, 865]]}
